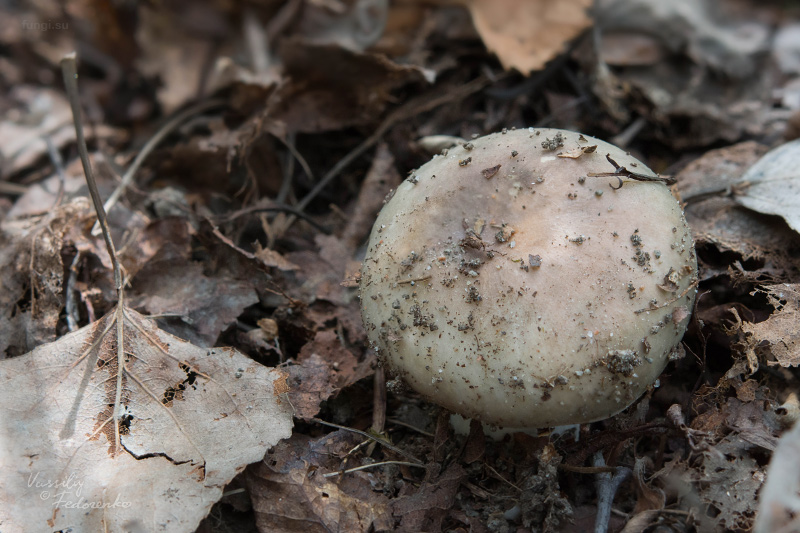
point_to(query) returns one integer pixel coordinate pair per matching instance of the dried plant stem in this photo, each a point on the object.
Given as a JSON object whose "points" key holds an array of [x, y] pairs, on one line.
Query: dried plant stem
{"points": [[372, 465], [411, 109], [69, 70], [381, 441], [150, 145]]}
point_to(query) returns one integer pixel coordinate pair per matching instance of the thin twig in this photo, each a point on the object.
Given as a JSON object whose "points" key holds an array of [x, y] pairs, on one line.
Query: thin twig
{"points": [[151, 144], [414, 280], [669, 302], [364, 467], [621, 171], [501, 478], [410, 109], [383, 442], [409, 426], [71, 306], [58, 164], [587, 469], [379, 401], [288, 170], [276, 208]]}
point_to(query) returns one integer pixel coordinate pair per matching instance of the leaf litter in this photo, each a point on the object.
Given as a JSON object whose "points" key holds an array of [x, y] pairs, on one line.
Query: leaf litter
{"points": [[299, 118], [140, 415]]}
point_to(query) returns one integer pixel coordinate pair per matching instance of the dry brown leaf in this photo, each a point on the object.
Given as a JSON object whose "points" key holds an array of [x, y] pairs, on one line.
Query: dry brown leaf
{"points": [[120, 426], [273, 259], [782, 329], [355, 25], [718, 220], [172, 53], [647, 498], [209, 303], [380, 179], [526, 34], [626, 48], [424, 508], [290, 493], [331, 88]]}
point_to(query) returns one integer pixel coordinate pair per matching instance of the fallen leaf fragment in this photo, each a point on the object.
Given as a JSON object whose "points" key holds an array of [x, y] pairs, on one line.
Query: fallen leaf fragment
{"points": [[575, 153], [526, 34], [209, 303], [291, 494], [726, 480], [489, 173], [120, 426], [782, 329]]}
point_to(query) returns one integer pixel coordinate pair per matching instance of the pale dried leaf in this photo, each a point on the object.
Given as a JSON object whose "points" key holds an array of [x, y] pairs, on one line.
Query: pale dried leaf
{"points": [[575, 153], [38, 114], [772, 185], [727, 481], [32, 265], [526, 34], [779, 501], [67, 461], [782, 329], [273, 259]]}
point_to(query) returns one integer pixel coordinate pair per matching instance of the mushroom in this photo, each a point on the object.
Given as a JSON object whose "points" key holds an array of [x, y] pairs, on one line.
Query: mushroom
{"points": [[530, 278]]}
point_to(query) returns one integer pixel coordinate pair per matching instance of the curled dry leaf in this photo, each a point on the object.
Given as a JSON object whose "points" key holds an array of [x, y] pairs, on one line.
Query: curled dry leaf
{"points": [[526, 34], [123, 427]]}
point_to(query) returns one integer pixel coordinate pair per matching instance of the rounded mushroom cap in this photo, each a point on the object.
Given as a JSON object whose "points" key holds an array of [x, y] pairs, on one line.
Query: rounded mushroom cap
{"points": [[505, 283]]}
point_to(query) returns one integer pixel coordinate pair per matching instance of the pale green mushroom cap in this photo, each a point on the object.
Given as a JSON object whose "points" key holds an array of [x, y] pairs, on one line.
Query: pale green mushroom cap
{"points": [[506, 284]]}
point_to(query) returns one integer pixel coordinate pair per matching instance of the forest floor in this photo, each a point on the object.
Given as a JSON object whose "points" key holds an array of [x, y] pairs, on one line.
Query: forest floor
{"points": [[269, 134]]}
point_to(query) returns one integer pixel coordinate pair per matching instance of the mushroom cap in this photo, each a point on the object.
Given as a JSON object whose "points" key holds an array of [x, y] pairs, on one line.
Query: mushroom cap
{"points": [[506, 284]]}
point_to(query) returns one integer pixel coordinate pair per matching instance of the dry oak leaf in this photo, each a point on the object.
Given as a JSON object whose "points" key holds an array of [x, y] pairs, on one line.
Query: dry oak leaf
{"points": [[526, 34], [120, 426]]}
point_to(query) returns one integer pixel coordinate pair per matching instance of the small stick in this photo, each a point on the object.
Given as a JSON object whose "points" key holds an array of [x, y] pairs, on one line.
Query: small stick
{"points": [[409, 426], [669, 302], [150, 145], [71, 306], [58, 164], [620, 172], [408, 110], [364, 467], [379, 401], [69, 70], [413, 281], [383, 442]]}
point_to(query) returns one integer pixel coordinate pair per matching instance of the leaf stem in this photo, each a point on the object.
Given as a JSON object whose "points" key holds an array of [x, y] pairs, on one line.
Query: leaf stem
{"points": [[69, 70]]}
